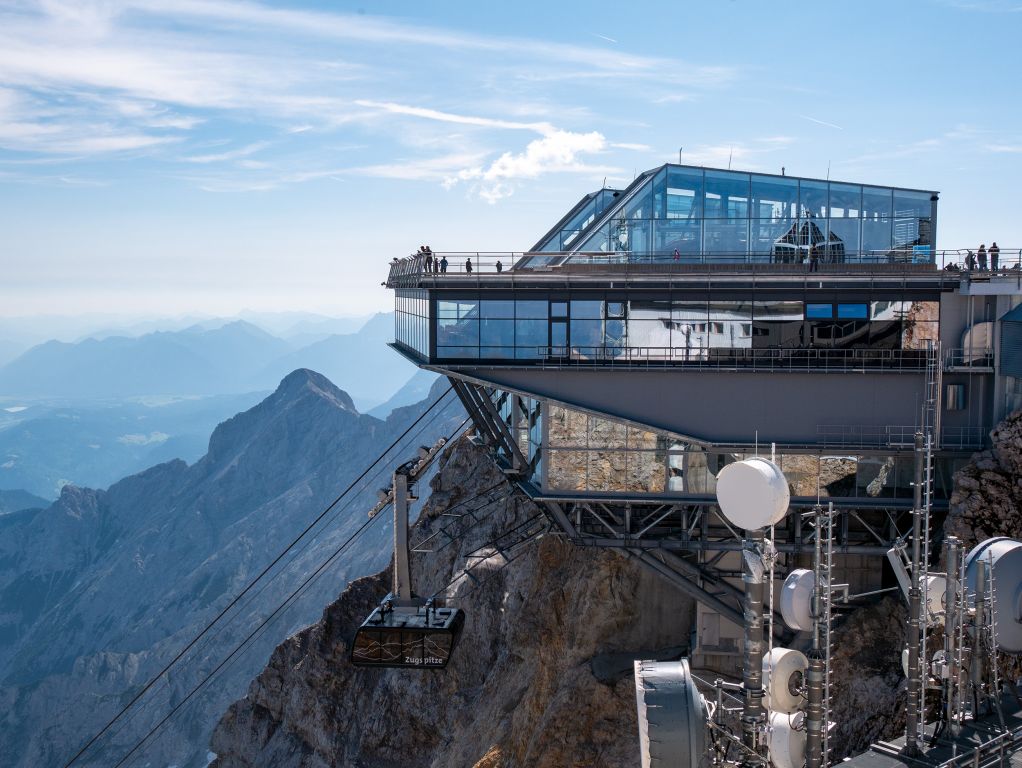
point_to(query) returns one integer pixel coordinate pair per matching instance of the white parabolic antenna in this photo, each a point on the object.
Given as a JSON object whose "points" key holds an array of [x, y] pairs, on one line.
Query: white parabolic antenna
{"points": [[672, 715], [787, 740], [783, 674], [753, 493], [1004, 568], [797, 599]]}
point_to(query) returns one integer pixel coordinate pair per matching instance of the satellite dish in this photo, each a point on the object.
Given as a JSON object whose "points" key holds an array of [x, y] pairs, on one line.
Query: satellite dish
{"points": [[797, 599], [783, 676], [672, 715], [936, 586], [753, 493], [787, 740], [1004, 568]]}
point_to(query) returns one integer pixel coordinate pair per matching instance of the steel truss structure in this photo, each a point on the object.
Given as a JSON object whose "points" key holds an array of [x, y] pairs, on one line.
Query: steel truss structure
{"points": [[683, 540]]}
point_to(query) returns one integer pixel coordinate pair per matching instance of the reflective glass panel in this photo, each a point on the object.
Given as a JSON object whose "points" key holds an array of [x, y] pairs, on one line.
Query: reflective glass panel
{"points": [[491, 308], [727, 195], [912, 204], [497, 333], [845, 201], [767, 233], [684, 193], [726, 238], [531, 333], [777, 310], [774, 198], [531, 309], [587, 333], [845, 232], [813, 198], [876, 237], [558, 309], [876, 202], [681, 235], [819, 311], [586, 309], [852, 311]]}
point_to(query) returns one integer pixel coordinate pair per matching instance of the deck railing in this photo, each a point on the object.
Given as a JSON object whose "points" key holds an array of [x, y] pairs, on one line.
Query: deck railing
{"points": [[473, 265], [776, 360]]}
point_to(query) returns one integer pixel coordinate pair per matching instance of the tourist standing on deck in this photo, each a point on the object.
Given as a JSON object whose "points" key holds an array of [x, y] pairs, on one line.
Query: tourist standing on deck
{"points": [[995, 255], [429, 261], [500, 267], [443, 264], [468, 265], [981, 254], [970, 261], [814, 259]]}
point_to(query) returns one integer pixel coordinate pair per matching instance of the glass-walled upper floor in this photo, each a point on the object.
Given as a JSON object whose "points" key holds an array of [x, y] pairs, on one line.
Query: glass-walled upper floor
{"points": [[686, 213], [820, 327]]}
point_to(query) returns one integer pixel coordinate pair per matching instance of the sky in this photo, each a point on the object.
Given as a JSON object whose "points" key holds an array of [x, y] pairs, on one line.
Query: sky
{"points": [[165, 157]]}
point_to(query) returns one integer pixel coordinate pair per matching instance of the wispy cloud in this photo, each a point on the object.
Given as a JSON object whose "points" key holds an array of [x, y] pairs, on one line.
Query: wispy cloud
{"points": [[821, 122], [232, 154], [604, 37], [556, 151]]}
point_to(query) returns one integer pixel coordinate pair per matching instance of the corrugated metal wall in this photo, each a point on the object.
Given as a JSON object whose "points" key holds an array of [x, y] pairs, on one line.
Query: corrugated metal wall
{"points": [[1011, 348]]}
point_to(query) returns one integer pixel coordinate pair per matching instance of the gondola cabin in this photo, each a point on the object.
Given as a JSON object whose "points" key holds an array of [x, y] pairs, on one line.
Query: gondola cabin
{"points": [[420, 637]]}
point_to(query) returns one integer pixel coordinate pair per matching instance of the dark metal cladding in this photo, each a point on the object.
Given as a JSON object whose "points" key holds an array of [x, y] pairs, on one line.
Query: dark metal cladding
{"points": [[407, 637]]}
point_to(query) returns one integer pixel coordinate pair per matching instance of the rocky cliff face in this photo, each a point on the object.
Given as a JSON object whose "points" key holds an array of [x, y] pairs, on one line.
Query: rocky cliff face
{"points": [[100, 590], [542, 676]]}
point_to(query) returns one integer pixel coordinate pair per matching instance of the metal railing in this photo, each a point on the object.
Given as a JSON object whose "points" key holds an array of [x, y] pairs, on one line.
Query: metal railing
{"points": [[895, 436], [968, 358], [457, 266], [716, 358]]}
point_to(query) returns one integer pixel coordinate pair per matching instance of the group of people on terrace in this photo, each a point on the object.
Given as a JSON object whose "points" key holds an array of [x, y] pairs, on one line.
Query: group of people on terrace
{"points": [[978, 260], [438, 264]]}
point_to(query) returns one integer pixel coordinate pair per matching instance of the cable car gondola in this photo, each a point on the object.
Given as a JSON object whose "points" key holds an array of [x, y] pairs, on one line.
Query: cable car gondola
{"points": [[406, 631], [413, 636]]}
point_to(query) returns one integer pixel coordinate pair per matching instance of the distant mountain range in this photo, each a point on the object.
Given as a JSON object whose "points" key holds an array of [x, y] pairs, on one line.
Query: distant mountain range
{"points": [[231, 358], [15, 501], [102, 588]]}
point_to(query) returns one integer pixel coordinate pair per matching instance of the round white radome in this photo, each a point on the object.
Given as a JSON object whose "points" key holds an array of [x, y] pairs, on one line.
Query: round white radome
{"points": [[784, 672], [753, 493], [797, 599], [787, 740]]}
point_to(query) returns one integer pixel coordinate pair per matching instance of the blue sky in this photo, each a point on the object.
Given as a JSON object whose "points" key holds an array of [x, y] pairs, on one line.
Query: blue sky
{"points": [[160, 157]]}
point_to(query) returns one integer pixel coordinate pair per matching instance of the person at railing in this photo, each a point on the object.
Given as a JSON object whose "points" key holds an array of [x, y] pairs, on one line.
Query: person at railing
{"points": [[970, 261], [995, 255], [981, 254], [500, 267], [428, 261], [443, 264], [468, 265], [814, 259]]}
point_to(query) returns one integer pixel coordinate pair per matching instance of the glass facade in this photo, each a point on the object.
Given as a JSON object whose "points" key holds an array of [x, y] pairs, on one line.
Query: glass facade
{"points": [[592, 454], [688, 214], [563, 238], [613, 327], [411, 320]]}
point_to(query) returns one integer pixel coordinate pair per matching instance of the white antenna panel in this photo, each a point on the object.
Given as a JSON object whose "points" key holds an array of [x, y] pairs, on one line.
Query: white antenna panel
{"points": [[1004, 560], [797, 600], [784, 673], [787, 740], [753, 493], [936, 586], [672, 715]]}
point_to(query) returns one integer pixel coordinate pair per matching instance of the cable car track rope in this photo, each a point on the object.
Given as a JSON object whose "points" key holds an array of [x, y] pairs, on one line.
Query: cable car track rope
{"points": [[237, 598]]}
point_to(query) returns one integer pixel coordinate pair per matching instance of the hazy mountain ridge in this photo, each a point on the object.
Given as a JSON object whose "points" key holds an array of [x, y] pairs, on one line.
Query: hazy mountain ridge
{"points": [[125, 576], [17, 500], [226, 359]]}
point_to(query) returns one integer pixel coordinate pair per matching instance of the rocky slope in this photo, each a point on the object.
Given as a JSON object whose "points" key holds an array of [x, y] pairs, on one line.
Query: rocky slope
{"points": [[542, 676], [101, 589]]}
